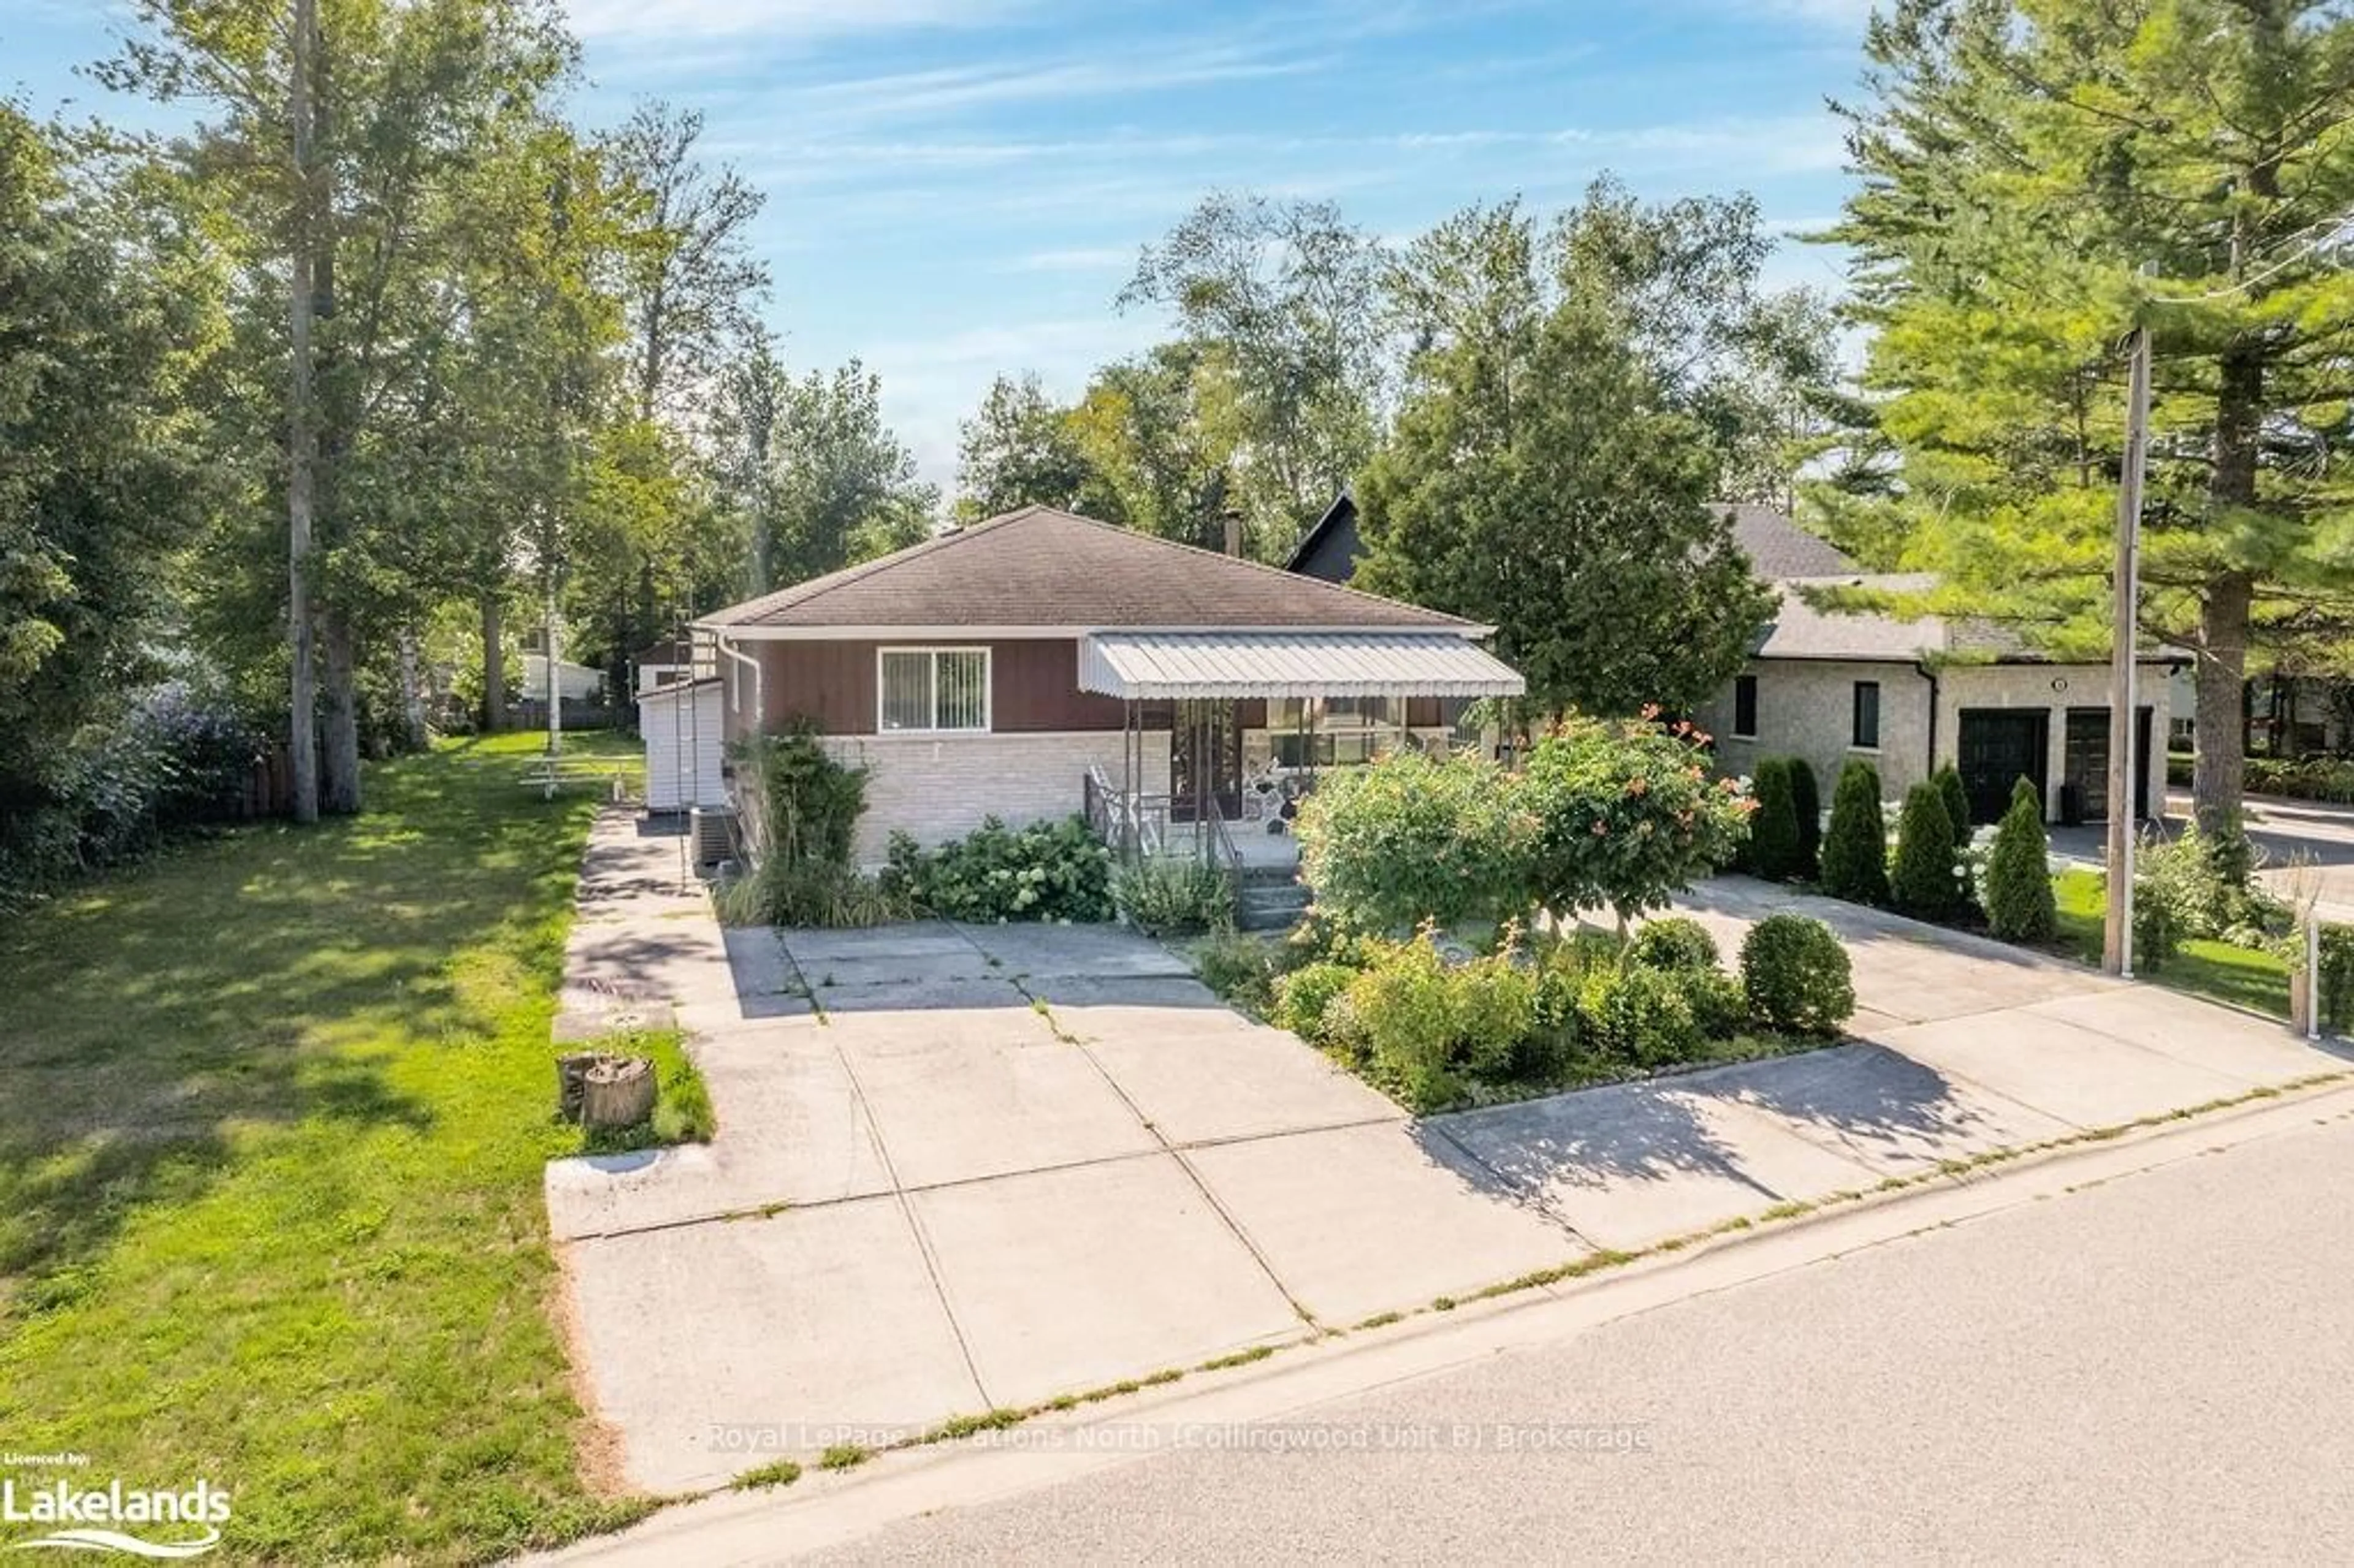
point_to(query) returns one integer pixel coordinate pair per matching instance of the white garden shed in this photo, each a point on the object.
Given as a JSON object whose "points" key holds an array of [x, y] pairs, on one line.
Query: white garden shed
{"points": [[681, 726]]}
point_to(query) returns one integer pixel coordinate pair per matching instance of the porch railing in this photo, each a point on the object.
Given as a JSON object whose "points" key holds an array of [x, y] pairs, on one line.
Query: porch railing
{"points": [[1134, 825], [1226, 856]]}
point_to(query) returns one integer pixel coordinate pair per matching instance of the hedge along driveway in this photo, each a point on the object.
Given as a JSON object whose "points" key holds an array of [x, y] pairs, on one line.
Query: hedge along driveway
{"points": [[271, 1154]]}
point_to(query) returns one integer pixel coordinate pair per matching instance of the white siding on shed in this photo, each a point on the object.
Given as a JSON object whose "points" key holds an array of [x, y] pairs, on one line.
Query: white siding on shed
{"points": [[683, 747]]}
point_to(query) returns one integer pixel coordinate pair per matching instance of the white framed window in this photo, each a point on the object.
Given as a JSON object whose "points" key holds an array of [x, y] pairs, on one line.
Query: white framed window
{"points": [[923, 691]]}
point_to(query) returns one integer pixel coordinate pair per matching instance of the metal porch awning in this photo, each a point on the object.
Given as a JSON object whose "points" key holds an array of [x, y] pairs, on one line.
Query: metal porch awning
{"points": [[1138, 665]]}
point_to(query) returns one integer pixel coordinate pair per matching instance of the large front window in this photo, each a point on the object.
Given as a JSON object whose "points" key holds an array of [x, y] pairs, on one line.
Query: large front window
{"points": [[1325, 732], [929, 689]]}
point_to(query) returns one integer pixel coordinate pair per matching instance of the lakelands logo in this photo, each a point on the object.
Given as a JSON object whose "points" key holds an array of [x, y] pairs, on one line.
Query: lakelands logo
{"points": [[83, 1518]]}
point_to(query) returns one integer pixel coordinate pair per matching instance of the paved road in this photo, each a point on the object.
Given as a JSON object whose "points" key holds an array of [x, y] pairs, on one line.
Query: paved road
{"points": [[2155, 1369]]}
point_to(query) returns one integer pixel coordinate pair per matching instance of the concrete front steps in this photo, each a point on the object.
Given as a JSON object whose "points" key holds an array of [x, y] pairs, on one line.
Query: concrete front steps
{"points": [[1272, 898]]}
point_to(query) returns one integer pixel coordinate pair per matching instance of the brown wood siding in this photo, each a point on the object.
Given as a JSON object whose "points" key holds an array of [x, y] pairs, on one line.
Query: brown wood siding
{"points": [[829, 683], [1422, 713], [1034, 686]]}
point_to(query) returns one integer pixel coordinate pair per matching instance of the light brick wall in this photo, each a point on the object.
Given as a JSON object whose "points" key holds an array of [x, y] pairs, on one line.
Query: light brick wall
{"points": [[2054, 688], [1805, 709], [939, 787]]}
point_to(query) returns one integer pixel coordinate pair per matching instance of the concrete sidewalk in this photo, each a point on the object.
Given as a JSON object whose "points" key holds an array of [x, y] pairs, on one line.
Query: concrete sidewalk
{"points": [[959, 1167]]}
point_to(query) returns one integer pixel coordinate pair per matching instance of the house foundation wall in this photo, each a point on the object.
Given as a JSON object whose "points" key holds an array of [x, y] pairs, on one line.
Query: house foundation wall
{"points": [[938, 787]]}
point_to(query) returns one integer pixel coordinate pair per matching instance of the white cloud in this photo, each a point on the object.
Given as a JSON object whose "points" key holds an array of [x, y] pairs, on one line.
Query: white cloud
{"points": [[1083, 259], [903, 95], [639, 19]]}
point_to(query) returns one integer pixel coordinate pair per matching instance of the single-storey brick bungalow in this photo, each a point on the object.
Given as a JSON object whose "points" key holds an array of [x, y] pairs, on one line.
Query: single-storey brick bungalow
{"points": [[1906, 695], [1042, 663]]}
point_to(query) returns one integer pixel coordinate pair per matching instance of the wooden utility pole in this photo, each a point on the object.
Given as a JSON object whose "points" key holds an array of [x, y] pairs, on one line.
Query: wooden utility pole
{"points": [[2116, 946], [302, 425]]}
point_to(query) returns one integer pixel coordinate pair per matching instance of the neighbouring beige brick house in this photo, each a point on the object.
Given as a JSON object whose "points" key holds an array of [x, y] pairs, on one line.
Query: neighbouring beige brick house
{"points": [[1910, 696], [1042, 663]]}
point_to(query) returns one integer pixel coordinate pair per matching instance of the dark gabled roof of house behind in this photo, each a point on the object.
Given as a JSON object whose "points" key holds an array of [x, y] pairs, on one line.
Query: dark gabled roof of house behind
{"points": [[1342, 513], [1039, 566], [1778, 548]]}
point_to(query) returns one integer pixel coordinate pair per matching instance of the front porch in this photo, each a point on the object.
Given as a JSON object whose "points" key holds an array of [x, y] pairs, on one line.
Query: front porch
{"points": [[1225, 735]]}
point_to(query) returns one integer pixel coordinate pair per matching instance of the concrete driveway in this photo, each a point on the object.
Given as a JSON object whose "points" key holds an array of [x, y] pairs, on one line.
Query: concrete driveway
{"points": [[965, 1168]]}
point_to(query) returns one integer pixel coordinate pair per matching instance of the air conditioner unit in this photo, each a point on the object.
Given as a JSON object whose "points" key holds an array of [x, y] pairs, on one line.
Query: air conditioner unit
{"points": [[711, 831]]}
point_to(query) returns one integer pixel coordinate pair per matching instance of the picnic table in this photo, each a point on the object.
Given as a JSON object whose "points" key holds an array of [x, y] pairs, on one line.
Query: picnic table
{"points": [[550, 774]]}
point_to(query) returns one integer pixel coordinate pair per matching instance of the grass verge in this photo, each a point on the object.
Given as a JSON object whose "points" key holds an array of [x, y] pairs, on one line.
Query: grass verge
{"points": [[2217, 970], [271, 1161]]}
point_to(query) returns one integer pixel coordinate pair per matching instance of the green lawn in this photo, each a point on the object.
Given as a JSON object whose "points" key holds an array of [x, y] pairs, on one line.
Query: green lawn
{"points": [[271, 1150], [2217, 970]]}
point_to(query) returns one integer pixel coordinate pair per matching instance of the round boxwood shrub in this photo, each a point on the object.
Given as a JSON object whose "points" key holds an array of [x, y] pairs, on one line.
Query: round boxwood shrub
{"points": [[1807, 807], [1640, 1016], [1719, 1006], [2019, 900], [1855, 847], [1924, 885], [1795, 976], [1676, 942], [1773, 825]]}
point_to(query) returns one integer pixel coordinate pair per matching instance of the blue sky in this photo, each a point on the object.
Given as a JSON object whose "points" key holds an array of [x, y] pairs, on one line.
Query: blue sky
{"points": [[958, 188]]}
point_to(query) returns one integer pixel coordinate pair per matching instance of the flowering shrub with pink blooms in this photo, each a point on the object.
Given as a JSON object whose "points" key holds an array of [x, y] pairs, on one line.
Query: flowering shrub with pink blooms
{"points": [[1626, 814]]}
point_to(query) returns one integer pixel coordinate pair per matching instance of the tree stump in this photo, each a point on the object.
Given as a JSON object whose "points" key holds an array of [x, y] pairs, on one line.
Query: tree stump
{"points": [[616, 1093], [571, 1071]]}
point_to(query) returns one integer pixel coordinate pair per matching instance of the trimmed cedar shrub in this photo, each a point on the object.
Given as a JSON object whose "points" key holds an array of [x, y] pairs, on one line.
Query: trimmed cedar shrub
{"points": [[1924, 885], [1948, 780], [2018, 901], [1807, 806], [1676, 943], [1796, 976], [1855, 847], [1773, 825]]}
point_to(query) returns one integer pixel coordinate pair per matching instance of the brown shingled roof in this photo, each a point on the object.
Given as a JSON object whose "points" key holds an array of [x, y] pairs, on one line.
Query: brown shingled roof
{"points": [[1038, 567]]}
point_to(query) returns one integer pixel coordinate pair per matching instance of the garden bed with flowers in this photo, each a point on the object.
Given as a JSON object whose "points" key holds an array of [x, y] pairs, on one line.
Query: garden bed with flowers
{"points": [[1447, 960]]}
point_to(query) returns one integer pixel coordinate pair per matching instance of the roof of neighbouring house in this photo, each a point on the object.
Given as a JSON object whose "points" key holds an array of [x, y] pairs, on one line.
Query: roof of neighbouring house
{"points": [[1041, 567], [1778, 548], [1800, 630], [1339, 517]]}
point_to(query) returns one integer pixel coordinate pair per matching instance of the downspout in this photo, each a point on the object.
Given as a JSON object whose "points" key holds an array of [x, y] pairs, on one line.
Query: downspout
{"points": [[1921, 668], [760, 703]]}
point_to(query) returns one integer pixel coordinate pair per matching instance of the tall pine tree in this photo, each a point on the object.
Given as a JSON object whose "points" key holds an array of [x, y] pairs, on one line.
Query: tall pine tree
{"points": [[2038, 175]]}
